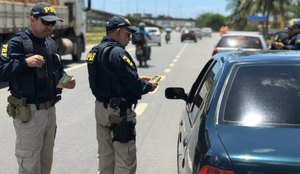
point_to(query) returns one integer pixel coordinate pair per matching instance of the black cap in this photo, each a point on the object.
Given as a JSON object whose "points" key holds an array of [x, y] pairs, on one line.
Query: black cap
{"points": [[44, 11], [119, 22]]}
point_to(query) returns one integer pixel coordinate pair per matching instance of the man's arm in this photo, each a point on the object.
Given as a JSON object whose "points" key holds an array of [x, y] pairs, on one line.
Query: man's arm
{"points": [[13, 63]]}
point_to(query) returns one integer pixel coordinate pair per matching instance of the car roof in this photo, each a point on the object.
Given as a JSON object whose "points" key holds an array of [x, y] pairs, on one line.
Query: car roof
{"points": [[258, 56]]}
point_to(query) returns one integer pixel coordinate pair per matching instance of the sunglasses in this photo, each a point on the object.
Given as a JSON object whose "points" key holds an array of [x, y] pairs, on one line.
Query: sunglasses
{"points": [[128, 33], [46, 23]]}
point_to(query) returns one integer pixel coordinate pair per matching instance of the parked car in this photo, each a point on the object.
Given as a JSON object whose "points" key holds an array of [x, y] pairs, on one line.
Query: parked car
{"points": [[155, 35], [198, 32], [241, 115], [206, 32], [188, 34], [232, 41]]}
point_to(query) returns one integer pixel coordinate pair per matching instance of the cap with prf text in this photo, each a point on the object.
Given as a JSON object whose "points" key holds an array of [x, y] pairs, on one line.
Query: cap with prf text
{"points": [[119, 22], [44, 11]]}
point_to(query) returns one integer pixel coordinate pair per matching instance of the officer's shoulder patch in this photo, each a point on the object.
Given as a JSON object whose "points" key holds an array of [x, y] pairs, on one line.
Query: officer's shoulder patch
{"points": [[127, 60], [91, 56], [4, 49]]}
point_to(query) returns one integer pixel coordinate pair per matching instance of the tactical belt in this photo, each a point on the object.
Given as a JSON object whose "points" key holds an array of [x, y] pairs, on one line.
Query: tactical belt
{"points": [[106, 103], [43, 105], [47, 104]]}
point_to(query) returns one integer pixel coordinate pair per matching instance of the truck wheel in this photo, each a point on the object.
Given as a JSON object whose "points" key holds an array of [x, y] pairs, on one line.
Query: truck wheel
{"points": [[78, 45]]}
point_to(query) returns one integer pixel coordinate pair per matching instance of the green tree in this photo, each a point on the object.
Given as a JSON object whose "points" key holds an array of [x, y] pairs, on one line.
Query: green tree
{"points": [[241, 9], [212, 20]]}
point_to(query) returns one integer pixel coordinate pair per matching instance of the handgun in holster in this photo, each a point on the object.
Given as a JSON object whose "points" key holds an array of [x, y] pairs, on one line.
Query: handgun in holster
{"points": [[123, 130]]}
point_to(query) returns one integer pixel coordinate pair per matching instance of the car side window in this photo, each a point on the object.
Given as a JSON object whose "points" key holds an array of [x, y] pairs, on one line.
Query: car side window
{"points": [[204, 90], [195, 86]]}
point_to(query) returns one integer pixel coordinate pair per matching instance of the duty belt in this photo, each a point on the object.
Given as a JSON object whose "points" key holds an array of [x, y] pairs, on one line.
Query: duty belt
{"points": [[22, 102], [106, 103]]}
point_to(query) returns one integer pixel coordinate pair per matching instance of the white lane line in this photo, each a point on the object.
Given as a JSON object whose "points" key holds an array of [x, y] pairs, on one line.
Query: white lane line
{"points": [[167, 70], [140, 108], [176, 59]]}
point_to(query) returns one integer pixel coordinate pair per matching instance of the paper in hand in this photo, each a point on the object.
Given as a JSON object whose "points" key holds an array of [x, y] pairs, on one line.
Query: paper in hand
{"points": [[64, 79]]}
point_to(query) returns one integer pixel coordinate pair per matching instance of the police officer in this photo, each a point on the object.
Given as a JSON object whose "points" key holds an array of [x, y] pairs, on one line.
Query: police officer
{"points": [[115, 83], [294, 36], [280, 39], [31, 63], [289, 40]]}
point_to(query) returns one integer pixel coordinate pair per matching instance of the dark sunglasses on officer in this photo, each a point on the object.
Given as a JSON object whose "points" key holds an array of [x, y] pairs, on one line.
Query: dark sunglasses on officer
{"points": [[128, 33], [46, 23]]}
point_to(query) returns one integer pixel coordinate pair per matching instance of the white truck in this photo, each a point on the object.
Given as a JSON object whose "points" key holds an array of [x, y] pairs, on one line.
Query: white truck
{"points": [[70, 34]]}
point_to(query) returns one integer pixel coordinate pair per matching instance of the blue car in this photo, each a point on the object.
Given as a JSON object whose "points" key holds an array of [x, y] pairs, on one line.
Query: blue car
{"points": [[242, 115]]}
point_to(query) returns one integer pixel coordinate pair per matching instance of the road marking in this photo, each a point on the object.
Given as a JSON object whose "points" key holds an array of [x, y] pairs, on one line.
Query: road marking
{"points": [[167, 70], [181, 51], [176, 58], [140, 108]]}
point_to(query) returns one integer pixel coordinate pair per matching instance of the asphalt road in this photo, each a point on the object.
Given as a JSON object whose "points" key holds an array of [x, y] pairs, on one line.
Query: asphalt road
{"points": [[157, 121]]}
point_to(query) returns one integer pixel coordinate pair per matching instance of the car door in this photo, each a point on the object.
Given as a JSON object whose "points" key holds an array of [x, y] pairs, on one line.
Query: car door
{"points": [[187, 120]]}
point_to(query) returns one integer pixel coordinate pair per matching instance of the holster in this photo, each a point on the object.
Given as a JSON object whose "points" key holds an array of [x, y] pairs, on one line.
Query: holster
{"points": [[17, 108], [125, 130]]}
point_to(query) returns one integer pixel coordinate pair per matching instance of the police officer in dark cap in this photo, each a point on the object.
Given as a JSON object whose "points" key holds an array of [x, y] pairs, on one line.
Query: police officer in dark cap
{"points": [[31, 63], [291, 39], [294, 35], [117, 87]]}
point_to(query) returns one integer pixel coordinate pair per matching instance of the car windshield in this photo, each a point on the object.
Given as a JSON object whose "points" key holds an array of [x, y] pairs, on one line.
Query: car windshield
{"points": [[240, 42], [266, 94]]}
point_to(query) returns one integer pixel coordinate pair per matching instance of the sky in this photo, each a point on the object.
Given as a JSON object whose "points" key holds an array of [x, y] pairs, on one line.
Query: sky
{"points": [[173, 8]]}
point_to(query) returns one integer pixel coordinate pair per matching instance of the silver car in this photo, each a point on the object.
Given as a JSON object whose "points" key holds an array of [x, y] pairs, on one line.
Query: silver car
{"points": [[206, 32], [155, 35], [233, 41]]}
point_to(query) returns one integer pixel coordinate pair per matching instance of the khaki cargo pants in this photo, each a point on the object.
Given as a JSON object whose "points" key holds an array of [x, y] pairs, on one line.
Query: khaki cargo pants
{"points": [[35, 141], [114, 157]]}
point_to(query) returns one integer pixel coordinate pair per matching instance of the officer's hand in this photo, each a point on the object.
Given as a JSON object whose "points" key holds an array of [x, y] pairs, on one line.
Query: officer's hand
{"points": [[35, 61], [153, 84], [278, 45], [147, 78], [70, 84]]}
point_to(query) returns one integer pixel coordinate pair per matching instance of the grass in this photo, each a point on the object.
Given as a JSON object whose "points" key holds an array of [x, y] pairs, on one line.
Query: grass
{"points": [[94, 35]]}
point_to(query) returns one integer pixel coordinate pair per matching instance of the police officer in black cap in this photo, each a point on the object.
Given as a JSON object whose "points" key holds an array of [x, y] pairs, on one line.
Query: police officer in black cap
{"points": [[294, 35], [31, 63], [115, 83], [291, 39]]}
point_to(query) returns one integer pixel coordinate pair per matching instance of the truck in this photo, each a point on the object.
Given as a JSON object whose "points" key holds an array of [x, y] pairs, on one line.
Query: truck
{"points": [[69, 34]]}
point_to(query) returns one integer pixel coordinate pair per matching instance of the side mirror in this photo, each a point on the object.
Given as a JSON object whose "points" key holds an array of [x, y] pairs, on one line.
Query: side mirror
{"points": [[175, 93]]}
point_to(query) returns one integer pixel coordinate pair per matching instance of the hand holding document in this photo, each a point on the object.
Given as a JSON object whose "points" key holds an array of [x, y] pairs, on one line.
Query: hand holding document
{"points": [[63, 80]]}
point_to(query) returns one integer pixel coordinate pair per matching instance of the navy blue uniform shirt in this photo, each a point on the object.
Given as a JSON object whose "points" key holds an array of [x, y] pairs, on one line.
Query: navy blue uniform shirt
{"points": [[23, 80], [125, 82]]}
